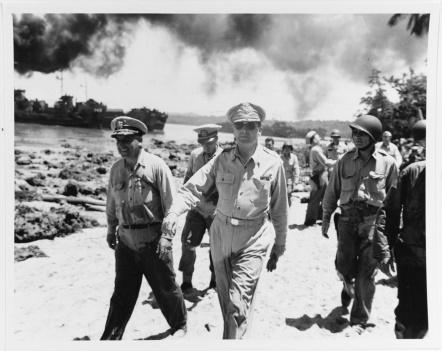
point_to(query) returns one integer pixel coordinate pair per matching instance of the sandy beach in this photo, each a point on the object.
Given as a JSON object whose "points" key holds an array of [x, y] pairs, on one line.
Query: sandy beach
{"points": [[65, 294]]}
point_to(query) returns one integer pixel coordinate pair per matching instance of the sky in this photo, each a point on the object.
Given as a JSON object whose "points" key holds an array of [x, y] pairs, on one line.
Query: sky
{"points": [[296, 66]]}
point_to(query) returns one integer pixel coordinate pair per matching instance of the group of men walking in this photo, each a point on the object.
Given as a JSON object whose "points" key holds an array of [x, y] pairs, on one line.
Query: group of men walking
{"points": [[241, 196]]}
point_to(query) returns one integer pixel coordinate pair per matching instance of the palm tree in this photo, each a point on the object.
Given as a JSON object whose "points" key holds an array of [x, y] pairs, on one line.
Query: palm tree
{"points": [[418, 24]]}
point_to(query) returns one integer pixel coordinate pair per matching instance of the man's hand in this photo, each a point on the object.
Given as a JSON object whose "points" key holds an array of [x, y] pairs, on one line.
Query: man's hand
{"points": [[278, 250], [386, 266], [164, 248], [111, 241], [169, 224], [325, 226], [271, 264]]}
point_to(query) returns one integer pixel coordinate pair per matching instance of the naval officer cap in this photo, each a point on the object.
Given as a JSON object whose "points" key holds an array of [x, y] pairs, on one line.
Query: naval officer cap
{"points": [[246, 112], [207, 132], [127, 126]]}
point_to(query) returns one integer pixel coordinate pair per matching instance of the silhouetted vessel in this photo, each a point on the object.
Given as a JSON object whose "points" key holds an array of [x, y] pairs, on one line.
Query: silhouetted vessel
{"points": [[89, 114]]}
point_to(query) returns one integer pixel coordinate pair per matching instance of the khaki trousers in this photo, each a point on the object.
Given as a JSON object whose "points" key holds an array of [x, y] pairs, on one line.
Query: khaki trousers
{"points": [[238, 253]]}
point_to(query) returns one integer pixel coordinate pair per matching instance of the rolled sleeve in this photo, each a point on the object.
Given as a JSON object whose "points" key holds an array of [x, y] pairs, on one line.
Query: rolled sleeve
{"points": [[279, 207]]}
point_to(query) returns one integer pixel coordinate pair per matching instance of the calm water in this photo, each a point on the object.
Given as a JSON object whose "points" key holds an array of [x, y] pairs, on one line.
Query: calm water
{"points": [[29, 134]]}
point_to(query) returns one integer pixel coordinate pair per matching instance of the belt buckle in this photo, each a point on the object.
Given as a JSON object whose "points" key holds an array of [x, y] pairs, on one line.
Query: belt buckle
{"points": [[234, 221]]}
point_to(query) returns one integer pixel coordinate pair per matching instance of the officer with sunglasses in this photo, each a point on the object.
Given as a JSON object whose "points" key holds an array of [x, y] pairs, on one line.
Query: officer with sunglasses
{"points": [[251, 184], [360, 181]]}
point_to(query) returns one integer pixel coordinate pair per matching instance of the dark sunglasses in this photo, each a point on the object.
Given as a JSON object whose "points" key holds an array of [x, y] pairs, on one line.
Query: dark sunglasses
{"points": [[125, 140], [357, 132], [247, 125]]}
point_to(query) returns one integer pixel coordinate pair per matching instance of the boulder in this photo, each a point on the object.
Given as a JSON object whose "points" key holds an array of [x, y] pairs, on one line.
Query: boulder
{"points": [[71, 188], [23, 161]]}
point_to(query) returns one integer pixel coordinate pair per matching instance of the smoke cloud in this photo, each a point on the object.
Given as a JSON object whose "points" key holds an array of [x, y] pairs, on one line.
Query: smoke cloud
{"points": [[299, 45]]}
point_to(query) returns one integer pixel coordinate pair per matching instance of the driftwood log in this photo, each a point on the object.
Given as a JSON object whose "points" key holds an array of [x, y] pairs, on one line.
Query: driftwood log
{"points": [[73, 200], [95, 208]]}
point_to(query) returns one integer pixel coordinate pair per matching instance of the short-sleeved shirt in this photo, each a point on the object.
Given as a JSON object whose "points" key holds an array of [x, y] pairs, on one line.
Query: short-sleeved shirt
{"points": [[334, 152], [199, 158], [392, 150], [291, 167], [248, 190], [138, 197], [318, 161], [354, 180]]}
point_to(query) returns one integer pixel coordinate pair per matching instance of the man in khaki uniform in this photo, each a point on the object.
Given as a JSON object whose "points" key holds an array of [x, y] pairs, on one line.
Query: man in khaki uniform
{"points": [[389, 147], [200, 218], [319, 164], [251, 184], [291, 168], [335, 149], [140, 194], [360, 181]]}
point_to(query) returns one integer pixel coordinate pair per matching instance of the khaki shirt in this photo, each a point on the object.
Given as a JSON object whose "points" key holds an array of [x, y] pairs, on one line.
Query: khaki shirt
{"points": [[246, 191], [199, 158], [392, 150], [291, 168], [334, 152], [318, 161], [353, 180], [143, 196]]}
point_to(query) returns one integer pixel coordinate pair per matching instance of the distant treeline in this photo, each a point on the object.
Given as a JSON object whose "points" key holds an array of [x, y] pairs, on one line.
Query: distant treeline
{"points": [[296, 129]]}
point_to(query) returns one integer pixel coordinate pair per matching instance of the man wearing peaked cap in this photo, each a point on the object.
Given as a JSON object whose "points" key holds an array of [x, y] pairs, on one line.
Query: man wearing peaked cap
{"points": [[246, 112], [124, 125], [199, 219], [140, 194], [250, 181], [207, 133]]}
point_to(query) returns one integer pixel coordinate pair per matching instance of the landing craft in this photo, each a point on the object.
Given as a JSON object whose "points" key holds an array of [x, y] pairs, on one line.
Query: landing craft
{"points": [[89, 114]]}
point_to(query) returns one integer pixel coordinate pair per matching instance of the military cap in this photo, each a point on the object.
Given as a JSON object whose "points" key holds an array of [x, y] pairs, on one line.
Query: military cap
{"points": [[246, 112], [207, 132], [335, 133], [387, 133], [124, 125], [309, 136]]}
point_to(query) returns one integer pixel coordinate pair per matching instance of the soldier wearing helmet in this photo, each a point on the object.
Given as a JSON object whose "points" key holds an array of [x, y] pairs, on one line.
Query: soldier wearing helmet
{"points": [[389, 147], [319, 164], [406, 202], [291, 168], [360, 181]]}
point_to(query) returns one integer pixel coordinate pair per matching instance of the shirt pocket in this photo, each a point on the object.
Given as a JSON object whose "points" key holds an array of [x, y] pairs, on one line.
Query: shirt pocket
{"points": [[348, 179], [224, 183], [262, 186], [375, 182]]}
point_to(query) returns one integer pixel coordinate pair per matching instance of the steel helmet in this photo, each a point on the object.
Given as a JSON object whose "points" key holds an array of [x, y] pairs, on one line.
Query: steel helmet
{"points": [[419, 130], [309, 136], [370, 125], [335, 133]]}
